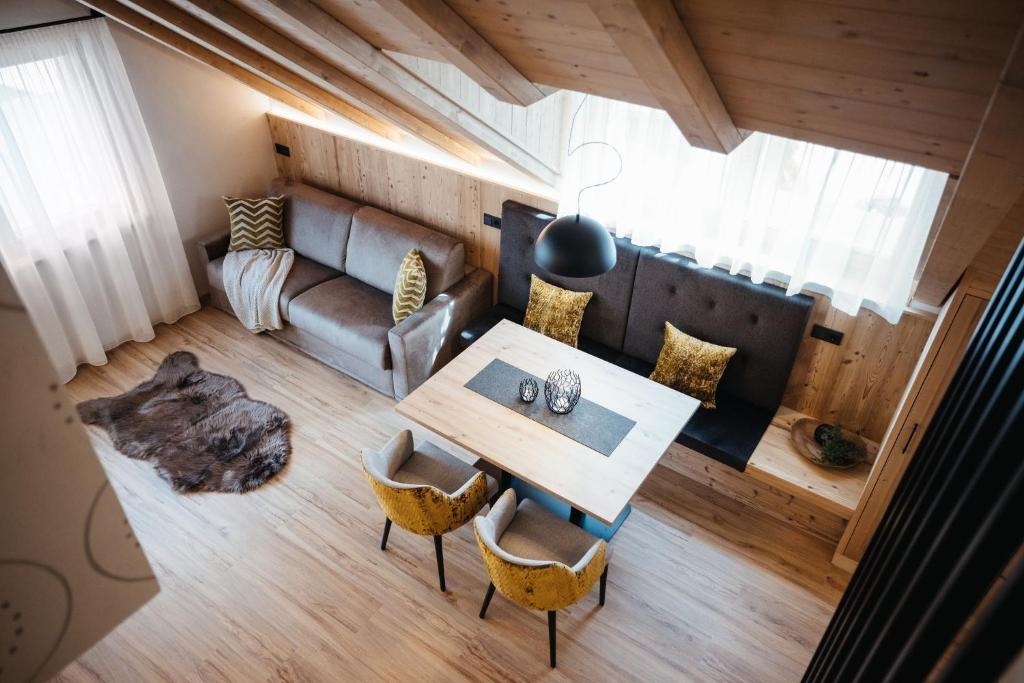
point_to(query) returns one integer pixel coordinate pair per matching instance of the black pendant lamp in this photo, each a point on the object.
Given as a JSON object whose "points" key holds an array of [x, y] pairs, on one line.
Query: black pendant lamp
{"points": [[576, 245]]}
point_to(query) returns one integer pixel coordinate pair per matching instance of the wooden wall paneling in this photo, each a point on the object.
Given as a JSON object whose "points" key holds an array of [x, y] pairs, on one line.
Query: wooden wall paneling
{"points": [[450, 201], [165, 36], [995, 254], [759, 495], [652, 37], [333, 42], [932, 375], [458, 43], [193, 29], [857, 384], [991, 184]]}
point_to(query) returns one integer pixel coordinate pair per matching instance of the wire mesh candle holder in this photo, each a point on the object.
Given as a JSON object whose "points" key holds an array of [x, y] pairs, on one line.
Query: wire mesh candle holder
{"points": [[528, 390], [562, 391]]}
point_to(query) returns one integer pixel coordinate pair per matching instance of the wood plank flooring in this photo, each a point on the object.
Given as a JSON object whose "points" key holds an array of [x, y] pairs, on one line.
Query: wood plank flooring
{"points": [[287, 583]]}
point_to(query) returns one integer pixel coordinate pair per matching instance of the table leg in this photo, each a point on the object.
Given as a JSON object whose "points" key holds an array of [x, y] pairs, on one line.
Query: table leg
{"points": [[576, 516], [505, 483]]}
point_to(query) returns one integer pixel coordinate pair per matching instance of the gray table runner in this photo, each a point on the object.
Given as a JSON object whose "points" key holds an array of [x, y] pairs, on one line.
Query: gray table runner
{"points": [[592, 425]]}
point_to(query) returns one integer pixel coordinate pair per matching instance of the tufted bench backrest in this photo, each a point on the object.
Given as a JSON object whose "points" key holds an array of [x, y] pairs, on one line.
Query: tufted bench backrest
{"points": [[605, 318], [760, 321]]}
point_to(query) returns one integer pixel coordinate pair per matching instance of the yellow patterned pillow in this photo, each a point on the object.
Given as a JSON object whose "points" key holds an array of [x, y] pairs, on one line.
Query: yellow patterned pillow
{"points": [[255, 223], [555, 312], [690, 365], [410, 287]]}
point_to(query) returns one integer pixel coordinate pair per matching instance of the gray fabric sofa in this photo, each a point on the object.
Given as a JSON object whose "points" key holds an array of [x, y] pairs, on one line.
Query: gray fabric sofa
{"points": [[624, 324], [336, 300]]}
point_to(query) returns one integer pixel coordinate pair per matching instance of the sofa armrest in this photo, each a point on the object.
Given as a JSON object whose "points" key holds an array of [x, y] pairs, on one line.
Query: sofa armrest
{"points": [[422, 343], [212, 248]]}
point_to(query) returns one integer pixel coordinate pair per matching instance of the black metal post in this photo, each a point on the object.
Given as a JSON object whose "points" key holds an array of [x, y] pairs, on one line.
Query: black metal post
{"points": [[551, 636], [487, 600], [440, 559], [387, 530]]}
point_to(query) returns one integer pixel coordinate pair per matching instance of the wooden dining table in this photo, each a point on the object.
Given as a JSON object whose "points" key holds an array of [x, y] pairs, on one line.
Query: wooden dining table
{"points": [[592, 483]]}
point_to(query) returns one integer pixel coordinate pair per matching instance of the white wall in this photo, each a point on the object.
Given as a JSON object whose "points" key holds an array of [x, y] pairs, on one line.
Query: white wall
{"points": [[209, 132]]}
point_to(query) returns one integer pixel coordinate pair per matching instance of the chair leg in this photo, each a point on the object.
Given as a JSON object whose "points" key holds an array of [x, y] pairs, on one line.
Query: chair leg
{"points": [[604, 585], [440, 560], [487, 600], [551, 636], [387, 530]]}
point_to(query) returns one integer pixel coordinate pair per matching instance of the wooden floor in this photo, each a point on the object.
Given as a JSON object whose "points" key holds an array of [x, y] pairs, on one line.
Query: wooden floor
{"points": [[288, 582]]}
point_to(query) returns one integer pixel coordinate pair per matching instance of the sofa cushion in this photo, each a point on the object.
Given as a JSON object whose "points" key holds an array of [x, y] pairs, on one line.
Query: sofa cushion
{"points": [[729, 433], [380, 240], [316, 223], [760, 321], [347, 314], [605, 318], [485, 322], [304, 275]]}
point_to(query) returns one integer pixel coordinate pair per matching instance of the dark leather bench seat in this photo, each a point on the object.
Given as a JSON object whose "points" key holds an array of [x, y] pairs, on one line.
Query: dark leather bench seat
{"points": [[625, 319]]}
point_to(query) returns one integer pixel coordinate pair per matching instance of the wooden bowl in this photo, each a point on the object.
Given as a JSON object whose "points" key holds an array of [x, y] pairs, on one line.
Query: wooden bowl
{"points": [[802, 433]]}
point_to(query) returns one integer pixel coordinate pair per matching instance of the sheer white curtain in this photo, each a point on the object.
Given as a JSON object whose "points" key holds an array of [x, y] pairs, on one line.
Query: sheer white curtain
{"points": [[846, 225], [86, 229]]}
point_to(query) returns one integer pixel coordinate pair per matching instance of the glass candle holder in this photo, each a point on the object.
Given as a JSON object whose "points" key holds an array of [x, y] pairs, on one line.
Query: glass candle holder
{"points": [[562, 391], [528, 390]]}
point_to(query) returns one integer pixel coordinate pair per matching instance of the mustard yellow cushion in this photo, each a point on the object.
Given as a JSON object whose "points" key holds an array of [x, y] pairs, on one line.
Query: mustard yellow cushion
{"points": [[555, 312], [690, 365]]}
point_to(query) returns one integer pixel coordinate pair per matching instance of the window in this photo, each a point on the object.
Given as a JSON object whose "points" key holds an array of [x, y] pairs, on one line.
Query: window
{"points": [[847, 225]]}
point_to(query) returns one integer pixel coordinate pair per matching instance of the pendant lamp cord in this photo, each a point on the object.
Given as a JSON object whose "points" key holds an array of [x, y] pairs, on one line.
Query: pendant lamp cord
{"points": [[572, 150]]}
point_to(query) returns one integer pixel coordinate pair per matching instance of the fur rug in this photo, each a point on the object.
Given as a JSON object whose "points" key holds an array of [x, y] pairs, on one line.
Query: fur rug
{"points": [[200, 430]]}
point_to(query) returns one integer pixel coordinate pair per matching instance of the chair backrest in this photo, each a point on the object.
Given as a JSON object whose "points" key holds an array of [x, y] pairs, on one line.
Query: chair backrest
{"points": [[380, 241], [532, 583], [759, 320], [419, 508], [604, 320], [316, 223]]}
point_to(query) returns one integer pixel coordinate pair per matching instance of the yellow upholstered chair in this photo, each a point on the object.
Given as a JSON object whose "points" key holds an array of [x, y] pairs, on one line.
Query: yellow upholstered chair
{"points": [[537, 559], [425, 490]]}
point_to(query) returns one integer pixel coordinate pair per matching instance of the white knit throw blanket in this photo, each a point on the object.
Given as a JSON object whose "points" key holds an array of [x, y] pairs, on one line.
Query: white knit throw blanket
{"points": [[252, 281]]}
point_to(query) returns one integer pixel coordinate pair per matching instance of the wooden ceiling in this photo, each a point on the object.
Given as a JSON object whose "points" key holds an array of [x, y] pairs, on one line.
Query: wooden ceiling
{"points": [[910, 80]]}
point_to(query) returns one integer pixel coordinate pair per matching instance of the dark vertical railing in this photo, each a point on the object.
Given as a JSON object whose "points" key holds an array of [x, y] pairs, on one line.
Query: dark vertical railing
{"points": [[956, 518]]}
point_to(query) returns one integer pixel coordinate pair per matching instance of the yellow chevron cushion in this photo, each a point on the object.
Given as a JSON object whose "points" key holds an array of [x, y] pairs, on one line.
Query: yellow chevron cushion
{"points": [[255, 223], [410, 287]]}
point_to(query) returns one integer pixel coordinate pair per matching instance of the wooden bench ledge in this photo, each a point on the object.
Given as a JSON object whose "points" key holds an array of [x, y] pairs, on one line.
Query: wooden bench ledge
{"points": [[776, 462]]}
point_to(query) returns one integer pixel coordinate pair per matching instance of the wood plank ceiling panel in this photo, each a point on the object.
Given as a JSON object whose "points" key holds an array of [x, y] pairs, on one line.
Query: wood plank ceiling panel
{"points": [[459, 44], [337, 46], [273, 45], [908, 82]]}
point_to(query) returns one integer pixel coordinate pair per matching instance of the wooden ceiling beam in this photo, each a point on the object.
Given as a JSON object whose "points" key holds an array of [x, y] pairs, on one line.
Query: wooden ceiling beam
{"points": [[196, 31], [278, 49], [168, 38], [455, 41], [329, 37], [651, 35], [991, 184]]}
